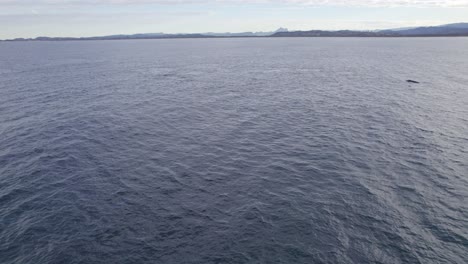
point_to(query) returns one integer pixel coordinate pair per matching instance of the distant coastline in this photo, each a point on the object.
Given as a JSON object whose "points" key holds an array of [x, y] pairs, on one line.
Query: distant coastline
{"points": [[450, 30]]}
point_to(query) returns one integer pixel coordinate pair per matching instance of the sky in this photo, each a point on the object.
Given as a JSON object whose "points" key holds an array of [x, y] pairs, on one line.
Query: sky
{"points": [[77, 18]]}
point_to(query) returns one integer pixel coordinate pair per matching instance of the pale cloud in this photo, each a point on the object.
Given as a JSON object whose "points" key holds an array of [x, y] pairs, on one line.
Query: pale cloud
{"points": [[372, 3], [32, 18]]}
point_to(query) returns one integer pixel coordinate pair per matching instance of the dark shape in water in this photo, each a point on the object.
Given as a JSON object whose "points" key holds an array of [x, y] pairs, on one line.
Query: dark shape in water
{"points": [[411, 81]]}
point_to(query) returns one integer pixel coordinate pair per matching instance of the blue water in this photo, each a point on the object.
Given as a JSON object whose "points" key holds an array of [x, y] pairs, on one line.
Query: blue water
{"points": [[234, 151]]}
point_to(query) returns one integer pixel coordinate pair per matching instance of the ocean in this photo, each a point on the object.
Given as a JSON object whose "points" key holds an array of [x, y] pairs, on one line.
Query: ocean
{"points": [[255, 150]]}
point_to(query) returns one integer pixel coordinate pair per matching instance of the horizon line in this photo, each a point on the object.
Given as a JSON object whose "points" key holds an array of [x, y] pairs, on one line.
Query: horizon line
{"points": [[212, 34]]}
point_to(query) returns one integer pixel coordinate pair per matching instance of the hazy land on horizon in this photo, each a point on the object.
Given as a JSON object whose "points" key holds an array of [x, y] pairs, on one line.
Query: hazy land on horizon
{"points": [[449, 30]]}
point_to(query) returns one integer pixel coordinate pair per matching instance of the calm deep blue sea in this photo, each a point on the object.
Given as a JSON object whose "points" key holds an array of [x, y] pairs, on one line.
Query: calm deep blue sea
{"points": [[297, 150]]}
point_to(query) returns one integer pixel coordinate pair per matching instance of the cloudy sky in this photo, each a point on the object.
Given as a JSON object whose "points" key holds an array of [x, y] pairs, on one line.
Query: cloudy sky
{"points": [[32, 18]]}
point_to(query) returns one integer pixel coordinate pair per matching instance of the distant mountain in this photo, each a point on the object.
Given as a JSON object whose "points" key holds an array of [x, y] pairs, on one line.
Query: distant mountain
{"points": [[241, 34], [119, 37], [246, 34], [281, 30], [397, 29], [152, 36], [456, 25], [339, 33], [458, 29]]}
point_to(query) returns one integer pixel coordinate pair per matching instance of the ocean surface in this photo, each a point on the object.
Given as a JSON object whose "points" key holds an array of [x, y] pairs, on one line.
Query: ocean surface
{"points": [[297, 150]]}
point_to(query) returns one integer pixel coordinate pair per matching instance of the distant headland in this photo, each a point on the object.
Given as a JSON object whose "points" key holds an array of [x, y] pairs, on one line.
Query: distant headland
{"points": [[449, 30]]}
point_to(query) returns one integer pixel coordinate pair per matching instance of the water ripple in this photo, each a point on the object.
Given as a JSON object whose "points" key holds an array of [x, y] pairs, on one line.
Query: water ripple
{"points": [[234, 151]]}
